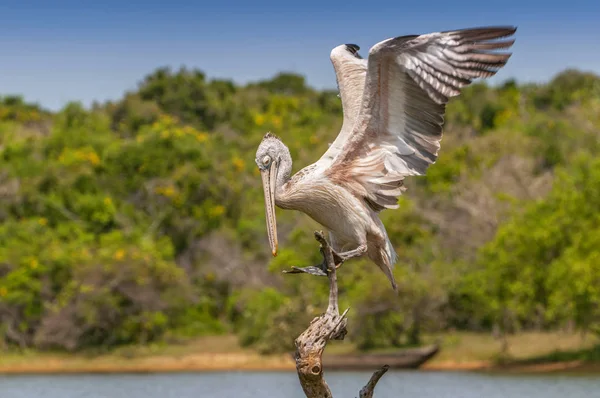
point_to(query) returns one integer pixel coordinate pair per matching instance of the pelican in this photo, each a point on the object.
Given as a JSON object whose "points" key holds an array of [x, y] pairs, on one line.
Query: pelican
{"points": [[393, 107]]}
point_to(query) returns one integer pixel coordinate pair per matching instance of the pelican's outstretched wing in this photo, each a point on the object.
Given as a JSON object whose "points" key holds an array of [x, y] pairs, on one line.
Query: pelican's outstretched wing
{"points": [[409, 81], [350, 72]]}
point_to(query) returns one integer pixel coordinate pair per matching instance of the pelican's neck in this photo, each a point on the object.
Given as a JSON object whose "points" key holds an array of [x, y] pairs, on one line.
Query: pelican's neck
{"points": [[285, 168], [284, 172]]}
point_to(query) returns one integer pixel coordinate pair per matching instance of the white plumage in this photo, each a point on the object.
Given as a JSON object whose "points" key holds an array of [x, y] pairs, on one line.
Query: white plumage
{"points": [[393, 108]]}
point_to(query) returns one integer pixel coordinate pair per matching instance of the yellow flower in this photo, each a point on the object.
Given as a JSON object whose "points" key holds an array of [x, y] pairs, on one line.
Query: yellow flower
{"points": [[166, 119], [119, 254], [70, 156], [94, 158], [43, 221], [188, 130], [34, 263], [259, 119], [202, 137], [238, 163], [3, 291], [216, 211], [169, 191], [108, 201]]}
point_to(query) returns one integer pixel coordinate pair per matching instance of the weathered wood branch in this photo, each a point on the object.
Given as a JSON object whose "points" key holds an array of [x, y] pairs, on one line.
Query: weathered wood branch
{"points": [[329, 326], [367, 391]]}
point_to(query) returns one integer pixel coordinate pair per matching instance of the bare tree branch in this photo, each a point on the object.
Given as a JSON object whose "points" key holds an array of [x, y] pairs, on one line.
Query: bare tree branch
{"points": [[367, 391], [328, 326]]}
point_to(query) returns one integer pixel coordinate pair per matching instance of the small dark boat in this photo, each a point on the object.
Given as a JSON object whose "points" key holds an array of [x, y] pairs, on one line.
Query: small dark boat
{"points": [[410, 358]]}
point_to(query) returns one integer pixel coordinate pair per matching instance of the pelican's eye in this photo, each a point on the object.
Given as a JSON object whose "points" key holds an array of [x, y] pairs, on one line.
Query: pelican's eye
{"points": [[266, 160]]}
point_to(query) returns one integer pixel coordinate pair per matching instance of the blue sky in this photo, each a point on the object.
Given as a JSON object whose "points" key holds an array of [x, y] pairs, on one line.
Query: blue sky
{"points": [[57, 51]]}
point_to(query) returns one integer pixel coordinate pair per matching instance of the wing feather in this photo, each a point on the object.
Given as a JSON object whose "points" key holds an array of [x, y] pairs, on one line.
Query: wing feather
{"points": [[350, 72], [409, 81]]}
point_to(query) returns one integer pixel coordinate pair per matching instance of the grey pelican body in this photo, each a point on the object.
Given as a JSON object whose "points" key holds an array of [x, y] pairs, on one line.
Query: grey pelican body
{"points": [[353, 227], [393, 104]]}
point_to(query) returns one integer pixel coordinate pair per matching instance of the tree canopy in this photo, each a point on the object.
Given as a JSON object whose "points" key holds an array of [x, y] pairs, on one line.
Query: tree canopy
{"points": [[142, 219]]}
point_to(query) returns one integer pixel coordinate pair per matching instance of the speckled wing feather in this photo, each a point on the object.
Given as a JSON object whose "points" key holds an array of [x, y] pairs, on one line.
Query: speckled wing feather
{"points": [[350, 72], [409, 81]]}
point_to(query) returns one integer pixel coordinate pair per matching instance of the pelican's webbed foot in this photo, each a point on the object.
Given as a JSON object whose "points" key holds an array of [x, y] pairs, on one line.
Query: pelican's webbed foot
{"points": [[317, 270]]}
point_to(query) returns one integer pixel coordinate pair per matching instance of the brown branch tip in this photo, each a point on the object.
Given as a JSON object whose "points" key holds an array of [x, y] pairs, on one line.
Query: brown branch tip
{"points": [[367, 391]]}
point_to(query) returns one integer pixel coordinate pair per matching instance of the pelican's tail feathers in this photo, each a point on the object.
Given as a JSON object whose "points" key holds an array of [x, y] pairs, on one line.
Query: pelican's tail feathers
{"points": [[391, 257], [385, 257]]}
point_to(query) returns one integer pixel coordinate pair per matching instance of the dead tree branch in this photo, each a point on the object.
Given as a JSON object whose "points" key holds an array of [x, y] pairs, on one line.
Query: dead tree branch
{"points": [[329, 326], [367, 391]]}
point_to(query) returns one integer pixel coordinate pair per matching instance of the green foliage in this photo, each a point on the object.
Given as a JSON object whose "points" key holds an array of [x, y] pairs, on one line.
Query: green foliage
{"points": [[75, 289], [14, 108], [451, 167], [106, 215], [285, 83], [543, 262], [258, 319], [567, 88]]}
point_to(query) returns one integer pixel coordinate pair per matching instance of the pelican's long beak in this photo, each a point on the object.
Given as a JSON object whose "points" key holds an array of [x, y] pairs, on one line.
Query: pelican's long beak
{"points": [[269, 181]]}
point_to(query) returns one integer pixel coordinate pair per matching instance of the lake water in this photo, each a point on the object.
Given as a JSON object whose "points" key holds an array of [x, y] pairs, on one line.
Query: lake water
{"points": [[395, 384]]}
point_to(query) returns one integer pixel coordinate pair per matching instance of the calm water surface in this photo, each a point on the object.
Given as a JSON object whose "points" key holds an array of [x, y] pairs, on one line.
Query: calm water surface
{"points": [[285, 385]]}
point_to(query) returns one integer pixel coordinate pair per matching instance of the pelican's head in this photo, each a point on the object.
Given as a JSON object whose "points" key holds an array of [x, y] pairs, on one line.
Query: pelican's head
{"points": [[269, 156]]}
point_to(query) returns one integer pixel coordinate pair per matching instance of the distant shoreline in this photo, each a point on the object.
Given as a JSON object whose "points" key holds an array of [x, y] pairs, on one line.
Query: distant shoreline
{"points": [[516, 367], [155, 364], [529, 353], [216, 362]]}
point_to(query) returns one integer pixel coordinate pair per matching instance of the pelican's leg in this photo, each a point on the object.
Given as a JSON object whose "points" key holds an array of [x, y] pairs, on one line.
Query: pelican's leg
{"points": [[322, 269], [347, 255], [335, 247], [338, 258]]}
